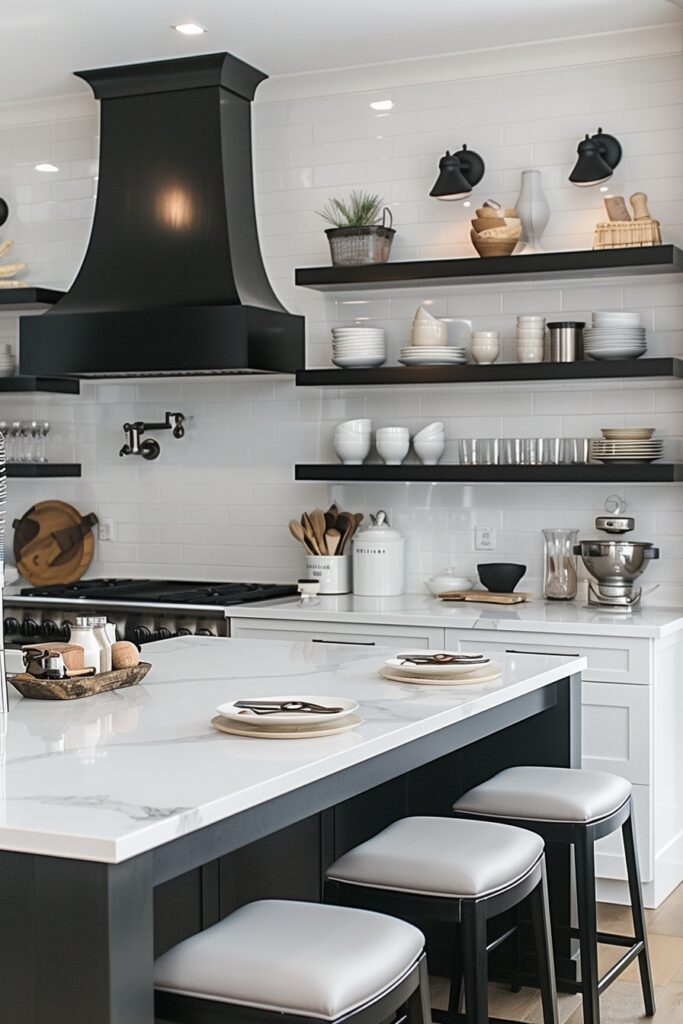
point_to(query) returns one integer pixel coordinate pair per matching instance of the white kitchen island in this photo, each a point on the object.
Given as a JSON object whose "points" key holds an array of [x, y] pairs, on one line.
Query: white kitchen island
{"points": [[127, 822]]}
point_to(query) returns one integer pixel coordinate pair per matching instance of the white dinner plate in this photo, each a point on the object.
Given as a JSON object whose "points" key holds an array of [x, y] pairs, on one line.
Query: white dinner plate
{"points": [[455, 671], [358, 362], [348, 706]]}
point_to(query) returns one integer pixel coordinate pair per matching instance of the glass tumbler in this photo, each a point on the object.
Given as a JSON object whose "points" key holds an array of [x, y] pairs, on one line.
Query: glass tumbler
{"points": [[559, 574]]}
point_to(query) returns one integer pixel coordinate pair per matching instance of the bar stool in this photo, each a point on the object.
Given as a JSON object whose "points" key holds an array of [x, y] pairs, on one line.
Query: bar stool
{"points": [[462, 873], [295, 963], [572, 806]]}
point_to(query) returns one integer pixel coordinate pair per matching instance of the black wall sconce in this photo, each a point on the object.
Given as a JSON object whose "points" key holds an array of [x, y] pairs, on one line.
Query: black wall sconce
{"points": [[458, 174], [4, 211], [599, 154]]}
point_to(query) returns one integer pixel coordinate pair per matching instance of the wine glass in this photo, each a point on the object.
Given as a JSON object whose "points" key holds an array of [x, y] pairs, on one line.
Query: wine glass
{"points": [[14, 435], [44, 431]]}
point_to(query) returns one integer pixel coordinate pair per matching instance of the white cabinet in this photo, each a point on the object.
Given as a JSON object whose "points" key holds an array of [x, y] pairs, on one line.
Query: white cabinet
{"points": [[616, 730], [360, 634]]}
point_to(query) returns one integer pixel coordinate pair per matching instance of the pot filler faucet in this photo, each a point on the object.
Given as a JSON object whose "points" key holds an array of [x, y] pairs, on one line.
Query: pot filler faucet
{"points": [[150, 448]]}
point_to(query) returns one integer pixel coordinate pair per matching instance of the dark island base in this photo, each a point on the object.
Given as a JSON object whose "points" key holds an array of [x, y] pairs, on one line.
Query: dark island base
{"points": [[78, 937]]}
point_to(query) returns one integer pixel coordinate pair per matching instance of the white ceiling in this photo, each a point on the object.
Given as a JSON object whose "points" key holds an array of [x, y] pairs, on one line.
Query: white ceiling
{"points": [[43, 41]]}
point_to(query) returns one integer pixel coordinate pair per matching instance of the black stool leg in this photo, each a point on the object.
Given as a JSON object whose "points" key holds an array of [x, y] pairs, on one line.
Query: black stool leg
{"points": [[418, 1007], [516, 949], [475, 962], [456, 977], [540, 915], [584, 855], [639, 930]]}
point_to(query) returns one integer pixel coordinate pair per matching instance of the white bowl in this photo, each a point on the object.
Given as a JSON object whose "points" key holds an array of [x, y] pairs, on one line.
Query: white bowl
{"points": [[386, 433], [429, 332], [531, 320], [485, 335], [429, 450], [352, 451], [443, 582], [361, 426], [530, 335], [358, 362], [530, 355], [432, 430]]}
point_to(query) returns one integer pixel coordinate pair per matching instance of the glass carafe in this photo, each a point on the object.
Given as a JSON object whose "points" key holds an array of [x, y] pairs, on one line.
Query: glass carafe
{"points": [[559, 574]]}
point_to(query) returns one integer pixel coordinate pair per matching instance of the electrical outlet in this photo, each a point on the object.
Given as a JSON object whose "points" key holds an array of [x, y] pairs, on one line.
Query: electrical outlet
{"points": [[484, 538], [105, 530]]}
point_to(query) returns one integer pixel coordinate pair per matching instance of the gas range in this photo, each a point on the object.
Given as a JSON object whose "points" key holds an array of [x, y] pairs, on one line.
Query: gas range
{"points": [[142, 610]]}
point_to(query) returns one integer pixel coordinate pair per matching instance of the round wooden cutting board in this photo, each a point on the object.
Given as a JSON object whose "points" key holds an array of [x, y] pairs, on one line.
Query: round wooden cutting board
{"points": [[53, 543]]}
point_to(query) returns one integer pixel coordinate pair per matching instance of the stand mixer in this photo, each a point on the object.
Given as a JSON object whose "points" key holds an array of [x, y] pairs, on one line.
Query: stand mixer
{"points": [[615, 565]]}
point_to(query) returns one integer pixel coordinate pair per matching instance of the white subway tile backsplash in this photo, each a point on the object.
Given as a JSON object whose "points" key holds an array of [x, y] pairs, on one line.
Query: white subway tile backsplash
{"points": [[217, 502]]}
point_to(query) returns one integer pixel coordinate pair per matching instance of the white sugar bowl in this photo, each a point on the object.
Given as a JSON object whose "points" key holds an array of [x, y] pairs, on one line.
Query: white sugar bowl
{"points": [[378, 559]]}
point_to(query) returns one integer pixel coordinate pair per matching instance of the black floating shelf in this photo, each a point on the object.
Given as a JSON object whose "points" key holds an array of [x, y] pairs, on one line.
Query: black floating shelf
{"points": [[32, 470], [655, 472], [55, 385], [468, 374], [23, 299], [654, 259]]}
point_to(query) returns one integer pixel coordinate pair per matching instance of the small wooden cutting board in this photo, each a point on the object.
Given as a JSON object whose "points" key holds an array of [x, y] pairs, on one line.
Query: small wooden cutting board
{"points": [[485, 596]]}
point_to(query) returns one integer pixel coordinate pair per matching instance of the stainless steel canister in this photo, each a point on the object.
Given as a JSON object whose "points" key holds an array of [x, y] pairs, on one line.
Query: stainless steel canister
{"points": [[566, 341]]}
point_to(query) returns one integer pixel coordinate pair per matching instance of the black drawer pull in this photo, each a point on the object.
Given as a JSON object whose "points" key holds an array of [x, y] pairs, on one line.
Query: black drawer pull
{"points": [[348, 643], [544, 653]]}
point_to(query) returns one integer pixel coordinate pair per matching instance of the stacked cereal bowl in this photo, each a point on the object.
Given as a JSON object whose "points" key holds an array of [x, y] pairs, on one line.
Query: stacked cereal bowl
{"points": [[352, 441], [530, 339], [430, 343], [355, 347], [430, 444]]}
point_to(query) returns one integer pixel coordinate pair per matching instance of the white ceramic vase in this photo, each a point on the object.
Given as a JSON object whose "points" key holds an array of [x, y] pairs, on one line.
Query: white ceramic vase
{"points": [[534, 212]]}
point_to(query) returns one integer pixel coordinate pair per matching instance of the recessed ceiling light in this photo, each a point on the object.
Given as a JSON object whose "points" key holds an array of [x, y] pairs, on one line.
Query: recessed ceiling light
{"points": [[47, 168], [189, 28], [382, 105]]}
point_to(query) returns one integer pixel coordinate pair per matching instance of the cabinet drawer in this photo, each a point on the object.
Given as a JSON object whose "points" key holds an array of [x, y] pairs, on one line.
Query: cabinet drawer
{"points": [[616, 730], [610, 659], [366, 635]]}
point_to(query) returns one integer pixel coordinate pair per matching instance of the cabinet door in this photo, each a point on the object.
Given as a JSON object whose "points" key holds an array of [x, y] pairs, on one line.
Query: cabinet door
{"points": [[364, 634], [616, 730], [610, 659]]}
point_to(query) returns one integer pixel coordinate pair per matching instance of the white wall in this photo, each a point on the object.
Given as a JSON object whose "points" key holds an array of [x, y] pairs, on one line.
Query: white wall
{"points": [[217, 503]]}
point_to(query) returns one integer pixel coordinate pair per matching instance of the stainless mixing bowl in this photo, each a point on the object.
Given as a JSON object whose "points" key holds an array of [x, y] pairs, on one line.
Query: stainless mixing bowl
{"points": [[615, 560]]}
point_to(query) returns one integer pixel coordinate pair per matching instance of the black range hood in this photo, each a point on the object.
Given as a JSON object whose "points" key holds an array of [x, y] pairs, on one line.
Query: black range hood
{"points": [[173, 281]]}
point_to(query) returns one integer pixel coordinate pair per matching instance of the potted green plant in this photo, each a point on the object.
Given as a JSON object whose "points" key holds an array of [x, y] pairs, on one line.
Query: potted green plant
{"points": [[358, 235]]}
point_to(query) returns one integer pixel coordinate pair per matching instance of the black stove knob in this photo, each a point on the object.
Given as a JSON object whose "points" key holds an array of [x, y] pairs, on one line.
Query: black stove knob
{"points": [[49, 629], [142, 635], [12, 626], [30, 628], [163, 633], [183, 631], [204, 632]]}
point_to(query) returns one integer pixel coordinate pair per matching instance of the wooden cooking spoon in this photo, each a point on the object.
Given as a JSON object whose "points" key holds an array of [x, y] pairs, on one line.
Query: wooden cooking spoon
{"points": [[346, 525], [310, 533], [297, 531], [317, 518], [332, 541]]}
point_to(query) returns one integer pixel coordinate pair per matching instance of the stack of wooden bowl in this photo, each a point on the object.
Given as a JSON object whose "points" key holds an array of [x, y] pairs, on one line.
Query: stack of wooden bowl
{"points": [[495, 232]]}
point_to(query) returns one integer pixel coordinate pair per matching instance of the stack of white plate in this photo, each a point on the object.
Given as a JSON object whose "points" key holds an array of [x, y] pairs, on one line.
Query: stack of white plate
{"points": [[616, 335], [432, 355], [439, 667], [355, 347], [627, 444]]}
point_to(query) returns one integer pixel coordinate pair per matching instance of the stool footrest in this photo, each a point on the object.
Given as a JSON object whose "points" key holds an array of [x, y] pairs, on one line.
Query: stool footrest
{"points": [[609, 938], [620, 966], [495, 943]]}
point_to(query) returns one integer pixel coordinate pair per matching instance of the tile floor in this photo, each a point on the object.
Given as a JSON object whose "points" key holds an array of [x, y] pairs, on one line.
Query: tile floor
{"points": [[622, 1003]]}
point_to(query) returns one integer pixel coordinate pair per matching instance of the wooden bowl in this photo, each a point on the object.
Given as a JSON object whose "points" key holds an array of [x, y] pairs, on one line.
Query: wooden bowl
{"points": [[493, 246], [486, 211], [78, 686], [482, 223]]}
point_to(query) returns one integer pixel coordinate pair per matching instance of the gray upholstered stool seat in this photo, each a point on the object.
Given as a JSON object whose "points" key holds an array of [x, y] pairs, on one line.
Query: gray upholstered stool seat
{"points": [[547, 794], [441, 857], [303, 959]]}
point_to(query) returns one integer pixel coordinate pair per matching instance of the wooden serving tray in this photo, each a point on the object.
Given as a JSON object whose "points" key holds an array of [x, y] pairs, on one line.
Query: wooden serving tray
{"points": [[485, 596], [78, 686]]}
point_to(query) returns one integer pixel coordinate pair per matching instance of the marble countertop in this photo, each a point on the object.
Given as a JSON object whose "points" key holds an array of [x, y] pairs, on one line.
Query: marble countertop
{"points": [[417, 610], [112, 776]]}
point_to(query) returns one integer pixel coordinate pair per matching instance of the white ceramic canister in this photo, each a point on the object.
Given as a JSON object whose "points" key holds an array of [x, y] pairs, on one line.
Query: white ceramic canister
{"points": [[83, 634], [379, 560], [333, 571]]}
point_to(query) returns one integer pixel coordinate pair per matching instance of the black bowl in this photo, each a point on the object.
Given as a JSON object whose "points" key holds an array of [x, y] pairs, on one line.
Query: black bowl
{"points": [[500, 577]]}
